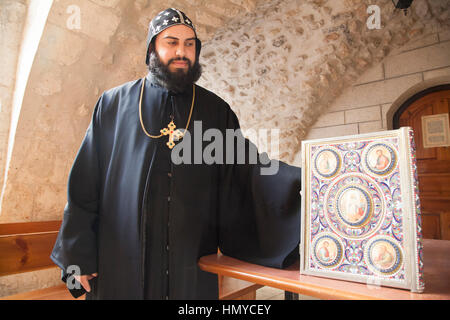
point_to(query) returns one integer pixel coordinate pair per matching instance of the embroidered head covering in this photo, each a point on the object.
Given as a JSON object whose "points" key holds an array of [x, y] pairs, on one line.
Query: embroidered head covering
{"points": [[165, 19]]}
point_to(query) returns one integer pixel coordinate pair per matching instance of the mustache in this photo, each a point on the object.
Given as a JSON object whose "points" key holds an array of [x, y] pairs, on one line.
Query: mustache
{"points": [[181, 59]]}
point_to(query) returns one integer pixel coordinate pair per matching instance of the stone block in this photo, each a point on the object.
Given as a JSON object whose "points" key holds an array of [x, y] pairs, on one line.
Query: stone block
{"points": [[372, 126], [330, 119], [432, 57], [61, 45], [335, 131], [337, 106], [436, 73], [373, 74], [375, 93], [424, 41], [363, 114]]}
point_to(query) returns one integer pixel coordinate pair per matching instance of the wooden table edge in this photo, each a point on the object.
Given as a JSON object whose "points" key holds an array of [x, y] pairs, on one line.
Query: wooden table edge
{"points": [[280, 283]]}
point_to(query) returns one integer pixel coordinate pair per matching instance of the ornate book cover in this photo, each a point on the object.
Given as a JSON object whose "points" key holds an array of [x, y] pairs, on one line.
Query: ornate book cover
{"points": [[361, 216]]}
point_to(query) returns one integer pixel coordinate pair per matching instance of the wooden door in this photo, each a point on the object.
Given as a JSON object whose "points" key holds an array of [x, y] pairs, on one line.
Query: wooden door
{"points": [[433, 165]]}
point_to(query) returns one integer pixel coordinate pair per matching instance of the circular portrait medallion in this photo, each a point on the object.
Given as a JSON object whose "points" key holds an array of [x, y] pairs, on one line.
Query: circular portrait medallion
{"points": [[327, 162], [327, 250], [379, 159], [354, 206], [383, 256]]}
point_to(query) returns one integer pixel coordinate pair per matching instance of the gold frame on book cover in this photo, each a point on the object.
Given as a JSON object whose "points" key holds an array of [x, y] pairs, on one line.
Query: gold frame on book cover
{"points": [[360, 210]]}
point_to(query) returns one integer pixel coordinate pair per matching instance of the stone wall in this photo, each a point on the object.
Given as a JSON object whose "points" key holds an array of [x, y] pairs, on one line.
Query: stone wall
{"points": [[367, 105], [283, 65], [79, 57], [12, 21]]}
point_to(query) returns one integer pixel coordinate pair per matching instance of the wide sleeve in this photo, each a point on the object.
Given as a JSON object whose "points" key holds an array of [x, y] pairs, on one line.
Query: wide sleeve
{"points": [[259, 211], [76, 244]]}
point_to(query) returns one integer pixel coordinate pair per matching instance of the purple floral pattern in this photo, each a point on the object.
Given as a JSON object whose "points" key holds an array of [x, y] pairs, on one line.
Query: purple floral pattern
{"points": [[380, 213]]}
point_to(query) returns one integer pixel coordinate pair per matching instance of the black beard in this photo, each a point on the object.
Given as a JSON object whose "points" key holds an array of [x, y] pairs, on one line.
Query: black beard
{"points": [[178, 81]]}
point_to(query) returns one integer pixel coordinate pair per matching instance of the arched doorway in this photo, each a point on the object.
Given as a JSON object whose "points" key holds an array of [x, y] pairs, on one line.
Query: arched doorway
{"points": [[433, 162]]}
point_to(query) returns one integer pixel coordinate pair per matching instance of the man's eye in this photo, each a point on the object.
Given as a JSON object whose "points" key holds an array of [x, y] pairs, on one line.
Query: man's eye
{"points": [[189, 44], [172, 43]]}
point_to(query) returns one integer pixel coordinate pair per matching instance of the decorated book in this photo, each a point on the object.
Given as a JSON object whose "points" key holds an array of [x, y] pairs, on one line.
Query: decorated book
{"points": [[361, 216]]}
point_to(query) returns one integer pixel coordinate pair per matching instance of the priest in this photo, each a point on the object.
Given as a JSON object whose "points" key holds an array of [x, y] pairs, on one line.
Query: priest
{"points": [[136, 221]]}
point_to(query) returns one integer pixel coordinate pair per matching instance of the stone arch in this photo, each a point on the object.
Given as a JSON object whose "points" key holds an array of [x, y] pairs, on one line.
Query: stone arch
{"points": [[403, 98]]}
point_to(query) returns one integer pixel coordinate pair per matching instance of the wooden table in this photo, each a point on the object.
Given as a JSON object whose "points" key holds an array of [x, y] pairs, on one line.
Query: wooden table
{"points": [[436, 267]]}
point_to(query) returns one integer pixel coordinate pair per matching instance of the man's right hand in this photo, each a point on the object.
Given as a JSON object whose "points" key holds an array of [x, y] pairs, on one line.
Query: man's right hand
{"points": [[84, 280]]}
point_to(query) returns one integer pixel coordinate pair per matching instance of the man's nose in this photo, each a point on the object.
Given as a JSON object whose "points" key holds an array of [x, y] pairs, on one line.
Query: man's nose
{"points": [[180, 50]]}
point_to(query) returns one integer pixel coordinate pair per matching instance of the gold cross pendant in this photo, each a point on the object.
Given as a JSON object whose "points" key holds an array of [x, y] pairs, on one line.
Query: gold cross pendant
{"points": [[172, 133]]}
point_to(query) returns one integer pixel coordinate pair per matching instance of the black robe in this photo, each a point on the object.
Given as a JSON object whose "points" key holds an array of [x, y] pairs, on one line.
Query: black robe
{"points": [[142, 222]]}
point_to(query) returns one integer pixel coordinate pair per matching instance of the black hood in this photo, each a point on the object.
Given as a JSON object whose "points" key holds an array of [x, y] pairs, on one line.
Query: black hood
{"points": [[165, 19]]}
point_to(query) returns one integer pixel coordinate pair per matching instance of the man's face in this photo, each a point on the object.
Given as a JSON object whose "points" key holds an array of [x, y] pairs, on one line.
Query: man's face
{"points": [[176, 48]]}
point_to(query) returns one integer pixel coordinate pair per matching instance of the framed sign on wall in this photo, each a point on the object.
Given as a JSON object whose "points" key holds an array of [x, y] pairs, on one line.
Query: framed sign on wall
{"points": [[435, 130], [361, 211]]}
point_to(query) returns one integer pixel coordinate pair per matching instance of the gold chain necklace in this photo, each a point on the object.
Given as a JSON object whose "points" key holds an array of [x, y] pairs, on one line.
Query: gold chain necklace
{"points": [[170, 130]]}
